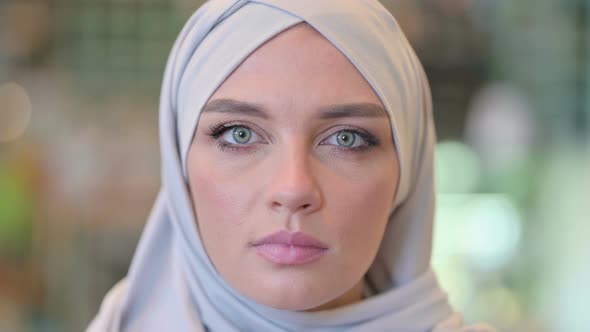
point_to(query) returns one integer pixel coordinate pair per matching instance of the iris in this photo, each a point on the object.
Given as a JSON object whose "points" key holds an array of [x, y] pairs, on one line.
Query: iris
{"points": [[346, 138], [241, 134]]}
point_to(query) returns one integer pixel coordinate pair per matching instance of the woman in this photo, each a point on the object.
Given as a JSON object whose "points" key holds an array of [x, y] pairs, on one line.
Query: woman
{"points": [[297, 152]]}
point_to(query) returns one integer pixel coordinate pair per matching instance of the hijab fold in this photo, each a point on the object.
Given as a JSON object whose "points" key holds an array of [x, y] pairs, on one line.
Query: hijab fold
{"points": [[173, 286]]}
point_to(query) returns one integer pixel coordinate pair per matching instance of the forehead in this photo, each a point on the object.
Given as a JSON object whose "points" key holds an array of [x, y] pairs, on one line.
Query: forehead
{"points": [[298, 68]]}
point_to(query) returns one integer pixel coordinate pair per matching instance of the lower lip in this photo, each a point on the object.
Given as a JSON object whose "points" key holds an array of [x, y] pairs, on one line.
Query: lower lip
{"points": [[285, 254]]}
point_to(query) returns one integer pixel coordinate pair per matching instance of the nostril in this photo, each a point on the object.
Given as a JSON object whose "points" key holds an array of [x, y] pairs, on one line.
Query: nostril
{"points": [[302, 207]]}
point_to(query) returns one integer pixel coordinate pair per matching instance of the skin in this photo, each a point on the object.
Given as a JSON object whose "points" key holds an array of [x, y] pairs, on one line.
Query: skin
{"points": [[294, 174]]}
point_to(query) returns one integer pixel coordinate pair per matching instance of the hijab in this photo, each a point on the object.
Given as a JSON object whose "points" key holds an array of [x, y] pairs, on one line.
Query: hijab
{"points": [[172, 284]]}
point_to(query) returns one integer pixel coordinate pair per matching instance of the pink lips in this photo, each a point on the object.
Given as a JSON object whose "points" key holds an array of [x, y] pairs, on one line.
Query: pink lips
{"points": [[287, 248]]}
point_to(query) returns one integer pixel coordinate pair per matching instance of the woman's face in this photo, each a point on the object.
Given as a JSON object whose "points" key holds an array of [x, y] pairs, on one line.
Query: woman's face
{"points": [[295, 141]]}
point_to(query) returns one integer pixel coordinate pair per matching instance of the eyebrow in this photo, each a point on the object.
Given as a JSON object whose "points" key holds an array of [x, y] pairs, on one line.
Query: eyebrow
{"points": [[361, 110], [233, 106]]}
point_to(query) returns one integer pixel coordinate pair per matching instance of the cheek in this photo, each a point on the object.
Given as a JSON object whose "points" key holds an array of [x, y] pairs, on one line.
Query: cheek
{"points": [[221, 207], [218, 197], [210, 196], [361, 217]]}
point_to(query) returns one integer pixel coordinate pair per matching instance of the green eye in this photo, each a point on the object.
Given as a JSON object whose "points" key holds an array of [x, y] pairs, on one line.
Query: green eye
{"points": [[345, 138], [241, 135]]}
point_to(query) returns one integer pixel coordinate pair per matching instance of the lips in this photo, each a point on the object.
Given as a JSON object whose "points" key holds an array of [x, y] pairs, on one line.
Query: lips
{"points": [[286, 248]]}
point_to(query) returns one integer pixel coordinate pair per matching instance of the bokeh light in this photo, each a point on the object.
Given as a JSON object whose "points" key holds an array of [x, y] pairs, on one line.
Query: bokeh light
{"points": [[492, 232], [500, 125], [458, 168], [15, 111]]}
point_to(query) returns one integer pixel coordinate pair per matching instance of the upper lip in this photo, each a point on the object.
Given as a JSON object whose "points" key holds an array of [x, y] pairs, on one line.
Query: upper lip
{"points": [[292, 239]]}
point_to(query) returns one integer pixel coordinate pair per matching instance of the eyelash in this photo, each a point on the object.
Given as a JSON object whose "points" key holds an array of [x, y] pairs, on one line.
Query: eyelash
{"points": [[216, 131]]}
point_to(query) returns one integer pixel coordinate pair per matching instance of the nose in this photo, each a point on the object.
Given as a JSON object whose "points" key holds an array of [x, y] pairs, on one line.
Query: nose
{"points": [[294, 189]]}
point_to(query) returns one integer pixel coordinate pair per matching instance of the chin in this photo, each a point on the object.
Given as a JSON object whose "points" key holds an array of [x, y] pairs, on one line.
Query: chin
{"points": [[287, 295]]}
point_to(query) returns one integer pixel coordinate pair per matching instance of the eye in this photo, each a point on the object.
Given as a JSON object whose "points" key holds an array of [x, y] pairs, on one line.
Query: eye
{"points": [[351, 139], [237, 135]]}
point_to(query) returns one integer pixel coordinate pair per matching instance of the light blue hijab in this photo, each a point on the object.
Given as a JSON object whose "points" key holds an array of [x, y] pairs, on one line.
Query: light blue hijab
{"points": [[173, 286]]}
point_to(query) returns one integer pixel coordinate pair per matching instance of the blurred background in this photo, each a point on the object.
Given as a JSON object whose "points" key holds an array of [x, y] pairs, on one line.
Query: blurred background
{"points": [[79, 160]]}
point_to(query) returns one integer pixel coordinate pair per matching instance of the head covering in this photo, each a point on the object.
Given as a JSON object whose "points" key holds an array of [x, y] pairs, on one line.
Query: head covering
{"points": [[173, 286]]}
